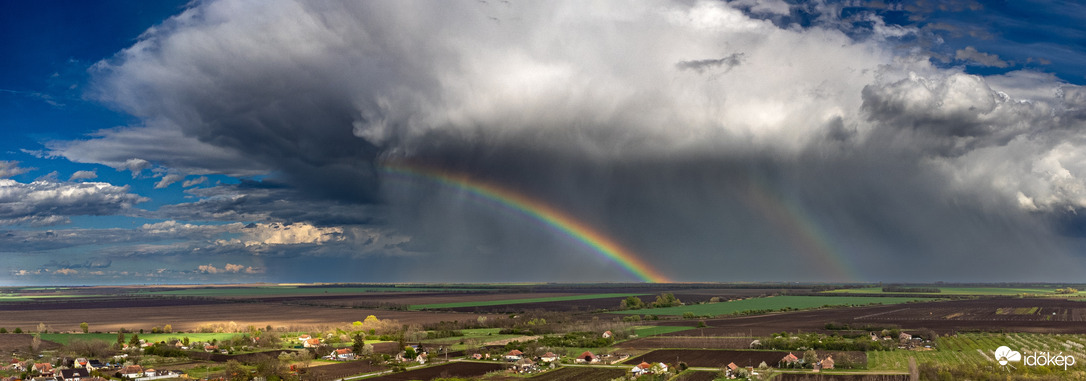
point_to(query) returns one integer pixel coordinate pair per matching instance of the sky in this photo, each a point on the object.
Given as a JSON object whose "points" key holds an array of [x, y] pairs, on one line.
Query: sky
{"points": [[231, 141]]}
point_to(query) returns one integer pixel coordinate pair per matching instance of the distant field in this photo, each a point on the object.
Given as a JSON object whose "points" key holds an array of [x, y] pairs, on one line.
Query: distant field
{"points": [[646, 331], [770, 303], [517, 301], [980, 291], [292, 290], [65, 338]]}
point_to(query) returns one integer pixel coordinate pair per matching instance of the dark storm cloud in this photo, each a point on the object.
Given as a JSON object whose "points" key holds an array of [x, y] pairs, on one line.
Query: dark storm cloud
{"points": [[701, 66], [820, 153]]}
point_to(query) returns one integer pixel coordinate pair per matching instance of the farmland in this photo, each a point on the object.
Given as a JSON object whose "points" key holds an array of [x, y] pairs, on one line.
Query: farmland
{"points": [[969, 291], [460, 320], [517, 301], [459, 369], [580, 374], [770, 303]]}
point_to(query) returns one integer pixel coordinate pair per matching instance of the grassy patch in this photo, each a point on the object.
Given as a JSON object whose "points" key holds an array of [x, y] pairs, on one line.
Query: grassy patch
{"points": [[770, 303], [517, 301], [645, 331]]}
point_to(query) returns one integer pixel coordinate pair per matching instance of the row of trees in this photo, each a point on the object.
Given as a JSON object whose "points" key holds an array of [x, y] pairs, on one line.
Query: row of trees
{"points": [[666, 299]]}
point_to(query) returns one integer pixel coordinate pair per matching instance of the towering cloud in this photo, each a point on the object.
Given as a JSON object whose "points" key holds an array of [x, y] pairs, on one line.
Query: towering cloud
{"points": [[697, 133]]}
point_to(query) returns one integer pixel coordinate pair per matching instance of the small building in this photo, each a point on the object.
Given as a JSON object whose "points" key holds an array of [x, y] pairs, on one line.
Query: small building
{"points": [[303, 338], [44, 369], [826, 363], [730, 369], [525, 366], [642, 368], [311, 343], [789, 360], [904, 337], [477, 356], [587, 358], [344, 354], [607, 335], [74, 374], [548, 357], [513, 355], [132, 371]]}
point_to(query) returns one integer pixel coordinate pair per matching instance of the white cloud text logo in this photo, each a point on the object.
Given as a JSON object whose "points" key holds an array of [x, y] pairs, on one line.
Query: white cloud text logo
{"points": [[1005, 355]]}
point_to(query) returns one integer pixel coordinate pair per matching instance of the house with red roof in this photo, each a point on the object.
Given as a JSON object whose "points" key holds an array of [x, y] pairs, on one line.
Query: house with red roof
{"points": [[514, 355], [548, 357], [587, 358], [312, 343]]}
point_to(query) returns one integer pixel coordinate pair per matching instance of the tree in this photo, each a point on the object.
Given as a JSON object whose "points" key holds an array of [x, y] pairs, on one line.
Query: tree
{"points": [[631, 303], [168, 328], [42, 328], [235, 372], [18, 330], [810, 357], [120, 338], [135, 341], [85, 327], [359, 342], [666, 299], [3, 330], [35, 343]]}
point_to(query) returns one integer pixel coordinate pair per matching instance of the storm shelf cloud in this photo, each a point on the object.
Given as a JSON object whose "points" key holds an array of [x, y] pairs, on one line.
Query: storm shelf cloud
{"points": [[701, 135]]}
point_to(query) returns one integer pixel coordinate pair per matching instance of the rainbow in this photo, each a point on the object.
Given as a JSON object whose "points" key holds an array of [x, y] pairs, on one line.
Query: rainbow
{"points": [[802, 232], [539, 211]]}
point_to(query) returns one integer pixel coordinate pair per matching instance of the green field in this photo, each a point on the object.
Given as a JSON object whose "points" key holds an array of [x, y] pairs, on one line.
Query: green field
{"points": [[518, 301], [65, 338], [979, 291], [770, 303], [978, 349], [479, 336], [647, 330]]}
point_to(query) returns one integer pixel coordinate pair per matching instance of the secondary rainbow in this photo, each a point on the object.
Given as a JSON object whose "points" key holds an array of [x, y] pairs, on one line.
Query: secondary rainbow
{"points": [[540, 211]]}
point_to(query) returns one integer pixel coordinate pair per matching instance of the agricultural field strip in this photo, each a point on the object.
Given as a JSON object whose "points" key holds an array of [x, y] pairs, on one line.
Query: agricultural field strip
{"points": [[771, 303], [518, 301], [290, 291], [957, 291]]}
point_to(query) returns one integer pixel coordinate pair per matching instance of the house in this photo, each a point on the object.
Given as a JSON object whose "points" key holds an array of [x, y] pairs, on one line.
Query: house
{"points": [[607, 335], [303, 338], [210, 348], [513, 355], [826, 363], [904, 337], [477, 356], [642, 368], [44, 368], [421, 358], [74, 374], [312, 343], [19, 365], [80, 362], [525, 366], [789, 360], [874, 337], [344, 354], [150, 372], [548, 357], [730, 369], [132, 371], [587, 357], [94, 364]]}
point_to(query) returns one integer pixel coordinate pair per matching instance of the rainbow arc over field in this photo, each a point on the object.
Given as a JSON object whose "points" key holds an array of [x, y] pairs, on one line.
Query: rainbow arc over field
{"points": [[539, 211]]}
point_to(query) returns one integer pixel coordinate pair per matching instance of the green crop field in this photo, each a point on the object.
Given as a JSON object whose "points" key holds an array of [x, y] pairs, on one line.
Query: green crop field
{"points": [[518, 301], [648, 330], [477, 336], [65, 338], [770, 303], [979, 291]]}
